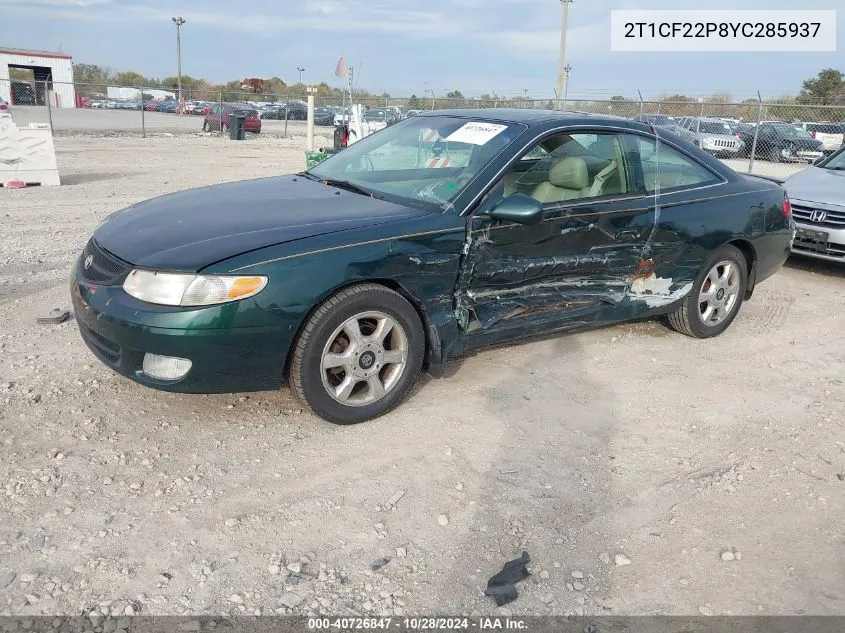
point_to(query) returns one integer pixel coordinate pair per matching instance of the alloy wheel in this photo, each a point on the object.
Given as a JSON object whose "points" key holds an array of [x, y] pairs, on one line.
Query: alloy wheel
{"points": [[364, 359], [719, 293]]}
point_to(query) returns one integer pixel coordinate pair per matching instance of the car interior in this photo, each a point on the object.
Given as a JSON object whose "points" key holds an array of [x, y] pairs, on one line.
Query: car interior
{"points": [[569, 167]]}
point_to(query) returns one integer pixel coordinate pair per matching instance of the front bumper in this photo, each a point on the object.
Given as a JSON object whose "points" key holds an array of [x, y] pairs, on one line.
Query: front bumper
{"points": [[721, 149], [820, 239], [120, 330]]}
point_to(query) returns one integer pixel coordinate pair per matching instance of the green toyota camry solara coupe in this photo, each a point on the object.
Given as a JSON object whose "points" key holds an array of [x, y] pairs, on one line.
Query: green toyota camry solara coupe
{"points": [[445, 232]]}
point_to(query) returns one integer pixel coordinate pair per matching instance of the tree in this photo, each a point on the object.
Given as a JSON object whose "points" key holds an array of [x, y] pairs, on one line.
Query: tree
{"points": [[90, 79], [824, 88], [618, 98], [129, 78], [414, 103], [21, 74], [721, 96]]}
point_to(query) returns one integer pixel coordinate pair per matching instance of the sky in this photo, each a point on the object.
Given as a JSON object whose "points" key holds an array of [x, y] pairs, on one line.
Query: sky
{"points": [[406, 47]]}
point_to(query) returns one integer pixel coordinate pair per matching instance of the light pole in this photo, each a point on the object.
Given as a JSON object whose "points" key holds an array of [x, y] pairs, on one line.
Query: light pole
{"points": [[301, 70], [566, 69], [179, 22], [561, 64]]}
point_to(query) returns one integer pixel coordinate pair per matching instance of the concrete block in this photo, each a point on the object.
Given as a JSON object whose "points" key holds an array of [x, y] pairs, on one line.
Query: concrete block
{"points": [[27, 154]]}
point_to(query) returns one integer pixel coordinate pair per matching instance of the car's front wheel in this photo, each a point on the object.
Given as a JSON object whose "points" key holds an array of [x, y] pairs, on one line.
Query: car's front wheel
{"points": [[358, 355], [716, 296]]}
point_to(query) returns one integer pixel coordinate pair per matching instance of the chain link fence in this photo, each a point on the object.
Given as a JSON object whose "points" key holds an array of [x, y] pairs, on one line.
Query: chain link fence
{"points": [[756, 136]]}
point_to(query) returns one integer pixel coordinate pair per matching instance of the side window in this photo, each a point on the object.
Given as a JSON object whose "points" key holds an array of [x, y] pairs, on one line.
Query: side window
{"points": [[666, 167], [570, 166]]}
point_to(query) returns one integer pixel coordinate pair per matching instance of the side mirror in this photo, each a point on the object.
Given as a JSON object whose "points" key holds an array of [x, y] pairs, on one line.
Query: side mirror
{"points": [[518, 208]]}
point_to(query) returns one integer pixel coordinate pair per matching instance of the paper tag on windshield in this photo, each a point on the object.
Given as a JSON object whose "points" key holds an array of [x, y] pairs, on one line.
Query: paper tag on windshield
{"points": [[475, 133]]}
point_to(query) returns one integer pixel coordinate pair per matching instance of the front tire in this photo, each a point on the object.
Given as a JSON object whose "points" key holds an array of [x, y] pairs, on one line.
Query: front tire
{"points": [[716, 296], [358, 355], [205, 127]]}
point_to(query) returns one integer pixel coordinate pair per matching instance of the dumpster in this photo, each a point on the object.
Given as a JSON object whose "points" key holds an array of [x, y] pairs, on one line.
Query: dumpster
{"points": [[236, 127]]}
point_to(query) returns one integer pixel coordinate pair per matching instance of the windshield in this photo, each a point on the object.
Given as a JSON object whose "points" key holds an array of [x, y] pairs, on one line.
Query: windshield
{"points": [[423, 161], [837, 162], [790, 131], [709, 127]]}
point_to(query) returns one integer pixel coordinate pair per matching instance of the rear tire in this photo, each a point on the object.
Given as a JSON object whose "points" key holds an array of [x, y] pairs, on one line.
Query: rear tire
{"points": [[358, 355], [205, 127], [716, 296]]}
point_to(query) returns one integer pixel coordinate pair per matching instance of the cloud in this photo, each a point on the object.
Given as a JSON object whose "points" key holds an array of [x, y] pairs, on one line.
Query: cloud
{"points": [[322, 16], [592, 39], [53, 3]]}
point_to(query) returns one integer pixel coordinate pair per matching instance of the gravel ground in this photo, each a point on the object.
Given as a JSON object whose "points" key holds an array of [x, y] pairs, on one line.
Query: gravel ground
{"points": [[644, 472]]}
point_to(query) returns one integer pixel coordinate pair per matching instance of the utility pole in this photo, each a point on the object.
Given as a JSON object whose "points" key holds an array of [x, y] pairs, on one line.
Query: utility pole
{"points": [[301, 70], [561, 64], [566, 69], [179, 22]]}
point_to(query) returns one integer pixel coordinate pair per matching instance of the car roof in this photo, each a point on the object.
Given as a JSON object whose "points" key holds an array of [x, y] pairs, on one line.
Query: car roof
{"points": [[533, 117], [710, 119]]}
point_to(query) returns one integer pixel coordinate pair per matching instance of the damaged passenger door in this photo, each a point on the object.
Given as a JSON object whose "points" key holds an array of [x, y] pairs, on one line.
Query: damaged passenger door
{"points": [[570, 262]]}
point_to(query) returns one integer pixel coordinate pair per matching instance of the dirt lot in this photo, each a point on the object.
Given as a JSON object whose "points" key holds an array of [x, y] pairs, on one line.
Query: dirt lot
{"points": [[629, 444]]}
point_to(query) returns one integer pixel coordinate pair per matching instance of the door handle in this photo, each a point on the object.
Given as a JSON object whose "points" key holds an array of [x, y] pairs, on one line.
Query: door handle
{"points": [[624, 235]]}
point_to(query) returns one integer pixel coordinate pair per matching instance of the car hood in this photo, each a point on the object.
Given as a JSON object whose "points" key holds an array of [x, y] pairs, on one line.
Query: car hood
{"points": [[192, 229], [816, 184], [802, 143]]}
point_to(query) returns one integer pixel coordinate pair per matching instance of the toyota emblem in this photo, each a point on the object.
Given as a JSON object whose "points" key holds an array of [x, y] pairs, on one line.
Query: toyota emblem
{"points": [[818, 216], [88, 261]]}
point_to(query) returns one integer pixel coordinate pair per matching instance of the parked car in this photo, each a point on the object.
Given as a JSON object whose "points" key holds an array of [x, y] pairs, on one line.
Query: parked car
{"points": [[23, 93], [323, 116], [272, 112], [168, 105], [342, 116], [3, 104], [713, 136], [780, 141], [196, 107], [151, 105], [660, 120], [297, 110], [818, 205], [219, 116], [376, 119], [832, 135], [348, 279]]}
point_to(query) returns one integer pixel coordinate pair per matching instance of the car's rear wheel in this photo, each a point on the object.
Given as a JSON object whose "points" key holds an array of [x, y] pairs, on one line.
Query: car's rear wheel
{"points": [[716, 296], [773, 155], [358, 355]]}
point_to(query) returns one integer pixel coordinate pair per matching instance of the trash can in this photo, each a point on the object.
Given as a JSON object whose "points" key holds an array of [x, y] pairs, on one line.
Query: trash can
{"points": [[236, 127]]}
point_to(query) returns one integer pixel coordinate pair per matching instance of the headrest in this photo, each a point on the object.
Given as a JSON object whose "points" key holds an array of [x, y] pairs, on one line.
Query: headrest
{"points": [[570, 173], [604, 147]]}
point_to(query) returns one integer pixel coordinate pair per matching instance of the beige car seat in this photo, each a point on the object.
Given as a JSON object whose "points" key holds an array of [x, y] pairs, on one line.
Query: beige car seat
{"points": [[568, 179]]}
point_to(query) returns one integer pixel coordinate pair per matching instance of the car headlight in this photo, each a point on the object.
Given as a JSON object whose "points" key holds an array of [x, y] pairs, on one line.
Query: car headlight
{"points": [[187, 289]]}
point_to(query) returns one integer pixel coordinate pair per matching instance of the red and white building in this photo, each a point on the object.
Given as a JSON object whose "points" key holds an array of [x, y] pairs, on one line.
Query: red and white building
{"points": [[52, 78]]}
